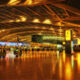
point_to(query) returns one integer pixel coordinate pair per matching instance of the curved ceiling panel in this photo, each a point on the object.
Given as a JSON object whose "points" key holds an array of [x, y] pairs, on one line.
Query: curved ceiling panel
{"points": [[47, 17]]}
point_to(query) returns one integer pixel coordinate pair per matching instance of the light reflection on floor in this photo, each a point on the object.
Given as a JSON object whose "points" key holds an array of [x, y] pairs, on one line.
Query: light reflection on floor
{"points": [[46, 65]]}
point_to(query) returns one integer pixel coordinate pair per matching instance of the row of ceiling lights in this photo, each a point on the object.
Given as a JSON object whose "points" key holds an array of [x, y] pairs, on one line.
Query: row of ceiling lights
{"points": [[21, 19], [40, 33], [35, 20], [24, 19], [27, 2], [3, 30]]}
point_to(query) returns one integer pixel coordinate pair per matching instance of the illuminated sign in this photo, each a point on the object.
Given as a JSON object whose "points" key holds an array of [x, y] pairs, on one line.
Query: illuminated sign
{"points": [[12, 44], [68, 35], [78, 41], [52, 38]]}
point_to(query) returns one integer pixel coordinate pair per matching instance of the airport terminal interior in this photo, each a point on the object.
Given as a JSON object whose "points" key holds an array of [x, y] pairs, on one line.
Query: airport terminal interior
{"points": [[39, 39]]}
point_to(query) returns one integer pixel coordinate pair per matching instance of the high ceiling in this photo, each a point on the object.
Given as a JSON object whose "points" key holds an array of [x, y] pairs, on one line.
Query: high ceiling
{"points": [[21, 18]]}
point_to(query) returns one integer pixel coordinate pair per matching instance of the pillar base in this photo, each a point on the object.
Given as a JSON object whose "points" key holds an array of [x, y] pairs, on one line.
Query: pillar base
{"points": [[68, 47]]}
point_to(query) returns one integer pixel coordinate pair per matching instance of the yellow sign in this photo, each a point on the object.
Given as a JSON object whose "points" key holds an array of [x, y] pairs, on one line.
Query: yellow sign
{"points": [[68, 35], [78, 41]]}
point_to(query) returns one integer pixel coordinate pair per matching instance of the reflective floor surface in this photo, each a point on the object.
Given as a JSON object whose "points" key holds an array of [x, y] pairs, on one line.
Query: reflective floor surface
{"points": [[56, 66]]}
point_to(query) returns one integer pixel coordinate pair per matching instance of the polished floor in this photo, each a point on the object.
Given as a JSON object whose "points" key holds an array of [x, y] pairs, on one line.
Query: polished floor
{"points": [[41, 66]]}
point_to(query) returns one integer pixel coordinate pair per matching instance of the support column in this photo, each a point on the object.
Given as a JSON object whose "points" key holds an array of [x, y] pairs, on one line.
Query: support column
{"points": [[68, 40], [68, 47]]}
